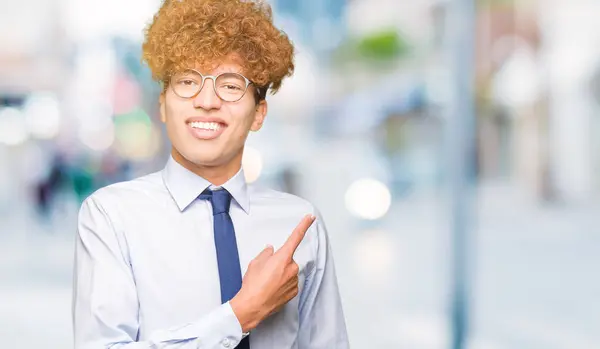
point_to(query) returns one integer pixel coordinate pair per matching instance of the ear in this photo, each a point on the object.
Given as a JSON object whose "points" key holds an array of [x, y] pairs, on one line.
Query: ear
{"points": [[260, 114], [162, 102]]}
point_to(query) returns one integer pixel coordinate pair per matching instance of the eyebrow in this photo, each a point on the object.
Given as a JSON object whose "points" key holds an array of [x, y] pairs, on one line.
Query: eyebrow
{"points": [[229, 70]]}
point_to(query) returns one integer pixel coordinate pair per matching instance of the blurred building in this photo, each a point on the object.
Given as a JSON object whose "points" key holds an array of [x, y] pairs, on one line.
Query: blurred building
{"points": [[571, 56], [536, 108], [31, 57]]}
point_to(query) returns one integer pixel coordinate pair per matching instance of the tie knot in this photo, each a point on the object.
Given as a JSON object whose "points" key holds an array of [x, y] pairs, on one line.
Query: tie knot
{"points": [[220, 200]]}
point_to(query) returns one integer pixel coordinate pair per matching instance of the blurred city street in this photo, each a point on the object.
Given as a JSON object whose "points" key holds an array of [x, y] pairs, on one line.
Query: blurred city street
{"points": [[389, 101]]}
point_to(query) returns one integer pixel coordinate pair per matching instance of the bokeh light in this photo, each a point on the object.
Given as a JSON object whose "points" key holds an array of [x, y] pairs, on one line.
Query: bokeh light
{"points": [[136, 137], [42, 115], [368, 198], [13, 129], [252, 162], [98, 139]]}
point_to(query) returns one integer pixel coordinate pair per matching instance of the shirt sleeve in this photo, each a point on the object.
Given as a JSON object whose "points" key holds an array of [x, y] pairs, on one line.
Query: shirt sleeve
{"points": [[322, 323], [105, 303]]}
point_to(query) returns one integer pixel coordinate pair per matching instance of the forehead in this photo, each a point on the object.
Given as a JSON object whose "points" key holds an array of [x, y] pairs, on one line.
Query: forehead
{"points": [[228, 64]]}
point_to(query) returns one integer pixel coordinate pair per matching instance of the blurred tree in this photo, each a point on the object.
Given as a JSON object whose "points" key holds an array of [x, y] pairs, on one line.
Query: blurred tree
{"points": [[379, 47]]}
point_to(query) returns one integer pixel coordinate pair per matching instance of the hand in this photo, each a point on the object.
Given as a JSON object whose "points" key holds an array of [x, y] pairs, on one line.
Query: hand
{"points": [[270, 281]]}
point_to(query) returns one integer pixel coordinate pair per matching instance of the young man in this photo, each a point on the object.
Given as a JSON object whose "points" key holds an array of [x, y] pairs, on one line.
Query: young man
{"points": [[159, 259]]}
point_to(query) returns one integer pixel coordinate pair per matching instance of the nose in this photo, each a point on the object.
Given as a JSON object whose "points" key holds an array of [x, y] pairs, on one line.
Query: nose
{"points": [[207, 98]]}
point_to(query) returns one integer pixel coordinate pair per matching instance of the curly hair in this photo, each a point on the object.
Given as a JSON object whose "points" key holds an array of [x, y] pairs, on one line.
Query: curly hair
{"points": [[188, 33]]}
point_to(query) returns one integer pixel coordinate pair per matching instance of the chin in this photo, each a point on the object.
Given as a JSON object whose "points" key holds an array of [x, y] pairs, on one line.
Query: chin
{"points": [[203, 158]]}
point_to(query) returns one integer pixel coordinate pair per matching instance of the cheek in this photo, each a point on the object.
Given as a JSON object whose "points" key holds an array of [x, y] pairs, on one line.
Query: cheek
{"points": [[175, 107], [243, 116], [174, 114]]}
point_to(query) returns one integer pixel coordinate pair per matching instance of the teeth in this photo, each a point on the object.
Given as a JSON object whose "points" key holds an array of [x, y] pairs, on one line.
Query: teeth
{"points": [[212, 126]]}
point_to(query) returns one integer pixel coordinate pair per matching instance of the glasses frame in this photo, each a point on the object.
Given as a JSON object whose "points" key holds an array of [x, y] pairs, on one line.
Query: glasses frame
{"points": [[214, 79]]}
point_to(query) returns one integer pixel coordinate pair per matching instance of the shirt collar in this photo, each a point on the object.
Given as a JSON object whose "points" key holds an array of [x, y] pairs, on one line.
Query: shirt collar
{"points": [[185, 186]]}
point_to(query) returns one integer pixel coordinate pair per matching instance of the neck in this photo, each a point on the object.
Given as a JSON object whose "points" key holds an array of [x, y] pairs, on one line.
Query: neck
{"points": [[216, 175]]}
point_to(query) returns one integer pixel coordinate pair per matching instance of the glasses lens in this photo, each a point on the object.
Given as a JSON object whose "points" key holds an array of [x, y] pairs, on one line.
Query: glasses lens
{"points": [[230, 87], [186, 84]]}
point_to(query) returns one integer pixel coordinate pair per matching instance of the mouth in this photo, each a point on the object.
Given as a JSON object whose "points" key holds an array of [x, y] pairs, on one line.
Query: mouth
{"points": [[206, 130]]}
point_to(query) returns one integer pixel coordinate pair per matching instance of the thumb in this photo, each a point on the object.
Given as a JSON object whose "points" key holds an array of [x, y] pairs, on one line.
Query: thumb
{"points": [[267, 252]]}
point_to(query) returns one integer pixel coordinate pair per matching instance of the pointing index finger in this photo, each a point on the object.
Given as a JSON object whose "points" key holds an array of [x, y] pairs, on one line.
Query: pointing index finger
{"points": [[296, 237]]}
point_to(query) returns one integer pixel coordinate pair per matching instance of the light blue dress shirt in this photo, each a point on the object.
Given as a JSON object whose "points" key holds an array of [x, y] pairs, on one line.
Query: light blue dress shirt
{"points": [[146, 271]]}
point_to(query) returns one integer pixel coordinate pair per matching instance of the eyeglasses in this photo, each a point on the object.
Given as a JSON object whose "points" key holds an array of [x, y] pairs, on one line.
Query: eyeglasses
{"points": [[229, 87]]}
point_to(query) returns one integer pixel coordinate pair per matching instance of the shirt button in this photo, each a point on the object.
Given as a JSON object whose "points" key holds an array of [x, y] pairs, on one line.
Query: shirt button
{"points": [[226, 343]]}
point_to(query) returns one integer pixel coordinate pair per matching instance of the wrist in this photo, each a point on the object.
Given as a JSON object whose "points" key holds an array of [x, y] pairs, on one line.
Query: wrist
{"points": [[247, 316]]}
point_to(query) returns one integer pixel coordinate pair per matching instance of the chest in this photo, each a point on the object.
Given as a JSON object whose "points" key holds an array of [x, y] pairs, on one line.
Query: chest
{"points": [[174, 262]]}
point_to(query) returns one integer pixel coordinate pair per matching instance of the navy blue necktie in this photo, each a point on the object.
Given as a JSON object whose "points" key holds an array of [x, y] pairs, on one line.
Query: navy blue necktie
{"points": [[228, 260]]}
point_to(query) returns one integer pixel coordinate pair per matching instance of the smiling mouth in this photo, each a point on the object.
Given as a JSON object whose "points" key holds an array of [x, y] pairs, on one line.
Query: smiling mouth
{"points": [[207, 126], [206, 130]]}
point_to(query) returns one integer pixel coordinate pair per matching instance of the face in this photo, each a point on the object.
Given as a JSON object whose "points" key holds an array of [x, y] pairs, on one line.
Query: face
{"points": [[206, 131]]}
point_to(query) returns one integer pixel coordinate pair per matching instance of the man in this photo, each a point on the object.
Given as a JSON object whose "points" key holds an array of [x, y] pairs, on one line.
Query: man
{"points": [[159, 259]]}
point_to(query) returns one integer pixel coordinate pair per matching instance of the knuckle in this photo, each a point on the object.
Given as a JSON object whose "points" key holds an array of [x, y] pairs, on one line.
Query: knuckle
{"points": [[295, 268]]}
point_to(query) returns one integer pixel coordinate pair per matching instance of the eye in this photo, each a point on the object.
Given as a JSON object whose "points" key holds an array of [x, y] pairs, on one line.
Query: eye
{"points": [[231, 87], [187, 82]]}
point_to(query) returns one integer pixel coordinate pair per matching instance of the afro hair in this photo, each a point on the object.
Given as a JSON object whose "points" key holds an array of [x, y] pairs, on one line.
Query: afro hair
{"points": [[200, 33]]}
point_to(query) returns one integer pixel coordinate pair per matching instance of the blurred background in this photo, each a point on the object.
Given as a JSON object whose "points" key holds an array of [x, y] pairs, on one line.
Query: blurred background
{"points": [[365, 131]]}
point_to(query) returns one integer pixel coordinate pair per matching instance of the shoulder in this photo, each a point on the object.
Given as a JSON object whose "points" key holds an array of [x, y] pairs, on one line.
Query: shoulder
{"points": [[274, 198], [123, 193]]}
